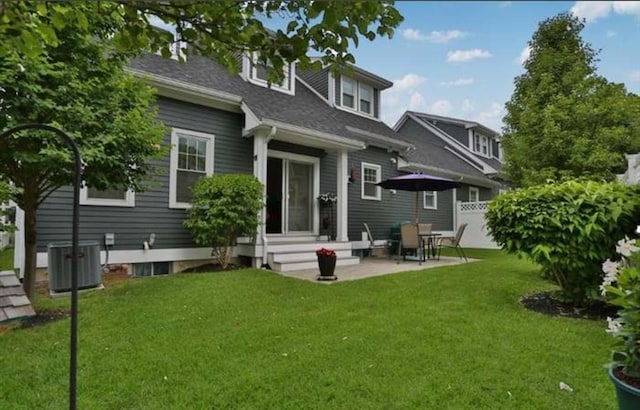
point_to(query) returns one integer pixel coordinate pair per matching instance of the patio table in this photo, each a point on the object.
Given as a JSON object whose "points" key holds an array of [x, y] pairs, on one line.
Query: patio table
{"points": [[428, 239]]}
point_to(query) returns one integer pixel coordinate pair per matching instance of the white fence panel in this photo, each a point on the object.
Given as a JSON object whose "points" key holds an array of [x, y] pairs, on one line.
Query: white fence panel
{"points": [[475, 236]]}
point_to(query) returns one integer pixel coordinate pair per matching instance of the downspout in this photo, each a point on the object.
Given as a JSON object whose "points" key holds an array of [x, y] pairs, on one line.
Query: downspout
{"points": [[265, 241]]}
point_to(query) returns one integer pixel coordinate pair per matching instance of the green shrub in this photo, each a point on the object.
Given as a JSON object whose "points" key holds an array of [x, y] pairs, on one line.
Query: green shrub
{"points": [[568, 228], [225, 207]]}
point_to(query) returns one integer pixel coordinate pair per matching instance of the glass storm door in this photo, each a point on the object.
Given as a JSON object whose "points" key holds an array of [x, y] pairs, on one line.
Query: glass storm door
{"points": [[289, 196]]}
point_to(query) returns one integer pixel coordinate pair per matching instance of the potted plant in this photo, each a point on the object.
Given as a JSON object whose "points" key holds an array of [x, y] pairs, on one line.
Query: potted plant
{"points": [[327, 199], [326, 264], [621, 286]]}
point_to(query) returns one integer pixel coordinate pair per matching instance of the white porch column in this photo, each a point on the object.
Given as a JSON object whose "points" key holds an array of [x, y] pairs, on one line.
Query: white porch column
{"points": [[342, 193], [260, 141]]}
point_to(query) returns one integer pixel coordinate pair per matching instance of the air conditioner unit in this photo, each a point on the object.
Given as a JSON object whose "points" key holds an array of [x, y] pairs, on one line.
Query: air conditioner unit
{"points": [[89, 271]]}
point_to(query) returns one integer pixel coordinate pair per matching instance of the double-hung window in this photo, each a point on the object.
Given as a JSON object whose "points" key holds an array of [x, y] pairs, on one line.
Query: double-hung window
{"points": [[371, 175], [348, 93], [258, 74], [430, 200], [481, 144], [474, 194], [191, 159], [357, 96]]}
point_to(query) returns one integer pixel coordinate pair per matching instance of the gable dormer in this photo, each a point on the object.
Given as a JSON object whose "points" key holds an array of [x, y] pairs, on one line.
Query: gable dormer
{"points": [[484, 143], [256, 73], [354, 90], [358, 91]]}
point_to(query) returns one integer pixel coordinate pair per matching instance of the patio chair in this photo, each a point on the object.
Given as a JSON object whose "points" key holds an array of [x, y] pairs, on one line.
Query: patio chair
{"points": [[409, 239], [453, 242], [373, 244]]}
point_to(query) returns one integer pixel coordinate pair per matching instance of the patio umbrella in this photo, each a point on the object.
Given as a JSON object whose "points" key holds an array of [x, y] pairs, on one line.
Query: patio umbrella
{"points": [[419, 182]]}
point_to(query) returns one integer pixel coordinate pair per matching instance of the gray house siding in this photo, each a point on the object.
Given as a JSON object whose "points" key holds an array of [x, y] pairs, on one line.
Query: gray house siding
{"points": [[151, 214], [392, 208], [415, 131], [318, 80], [485, 194], [459, 133]]}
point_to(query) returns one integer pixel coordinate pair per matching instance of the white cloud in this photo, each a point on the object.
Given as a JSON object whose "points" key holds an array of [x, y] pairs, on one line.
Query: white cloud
{"points": [[634, 75], [461, 56], [593, 10], [524, 55], [408, 82], [413, 34], [467, 106], [610, 33], [445, 36], [492, 117], [441, 107], [434, 36], [458, 83], [504, 4], [416, 101], [404, 95]]}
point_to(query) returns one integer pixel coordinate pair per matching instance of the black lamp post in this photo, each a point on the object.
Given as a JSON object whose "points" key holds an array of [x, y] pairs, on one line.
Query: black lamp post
{"points": [[73, 360]]}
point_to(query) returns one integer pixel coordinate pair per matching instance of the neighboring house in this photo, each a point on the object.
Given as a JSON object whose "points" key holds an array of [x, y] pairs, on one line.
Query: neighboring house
{"points": [[315, 132], [632, 174], [454, 148]]}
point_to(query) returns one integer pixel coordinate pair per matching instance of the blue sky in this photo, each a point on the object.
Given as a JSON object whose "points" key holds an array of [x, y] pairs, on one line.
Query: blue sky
{"points": [[459, 59]]}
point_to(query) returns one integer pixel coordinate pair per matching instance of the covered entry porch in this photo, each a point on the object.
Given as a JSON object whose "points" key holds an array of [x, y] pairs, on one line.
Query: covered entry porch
{"points": [[291, 164]]}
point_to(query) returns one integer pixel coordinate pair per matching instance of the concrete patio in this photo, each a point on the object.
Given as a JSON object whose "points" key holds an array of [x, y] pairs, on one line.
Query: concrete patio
{"points": [[375, 266]]}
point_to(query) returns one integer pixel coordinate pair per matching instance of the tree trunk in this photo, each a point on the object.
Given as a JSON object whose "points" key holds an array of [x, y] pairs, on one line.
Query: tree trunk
{"points": [[30, 239]]}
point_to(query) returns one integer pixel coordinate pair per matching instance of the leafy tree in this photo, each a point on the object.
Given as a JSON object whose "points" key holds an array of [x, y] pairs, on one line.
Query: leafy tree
{"points": [[567, 228], [225, 207], [81, 87], [563, 120], [218, 29], [5, 195]]}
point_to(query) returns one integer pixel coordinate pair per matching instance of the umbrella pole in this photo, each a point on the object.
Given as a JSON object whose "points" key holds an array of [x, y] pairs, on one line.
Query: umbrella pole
{"points": [[417, 219]]}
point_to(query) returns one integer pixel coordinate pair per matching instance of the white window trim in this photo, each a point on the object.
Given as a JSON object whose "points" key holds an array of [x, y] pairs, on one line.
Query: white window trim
{"points": [[356, 98], [477, 194], [289, 77], [173, 162], [128, 201], [479, 152], [435, 200], [378, 169], [370, 102]]}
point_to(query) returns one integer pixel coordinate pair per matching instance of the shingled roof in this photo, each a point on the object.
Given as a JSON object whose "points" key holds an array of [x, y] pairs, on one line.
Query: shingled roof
{"points": [[304, 109], [14, 303]]}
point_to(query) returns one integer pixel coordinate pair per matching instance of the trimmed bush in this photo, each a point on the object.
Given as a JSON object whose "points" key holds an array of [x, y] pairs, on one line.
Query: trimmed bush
{"points": [[225, 207], [568, 228]]}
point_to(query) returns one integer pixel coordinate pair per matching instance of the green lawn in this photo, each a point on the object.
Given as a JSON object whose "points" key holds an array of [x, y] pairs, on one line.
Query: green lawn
{"points": [[445, 338], [6, 259]]}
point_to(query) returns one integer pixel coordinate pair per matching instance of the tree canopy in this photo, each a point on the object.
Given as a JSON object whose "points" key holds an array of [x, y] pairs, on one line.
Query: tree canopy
{"points": [[218, 29], [78, 85], [563, 119]]}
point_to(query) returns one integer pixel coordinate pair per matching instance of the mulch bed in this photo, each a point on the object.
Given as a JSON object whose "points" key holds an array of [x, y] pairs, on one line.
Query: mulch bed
{"points": [[548, 304], [43, 317]]}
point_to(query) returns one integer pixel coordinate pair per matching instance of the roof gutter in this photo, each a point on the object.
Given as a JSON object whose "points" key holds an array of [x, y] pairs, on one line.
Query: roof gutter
{"points": [[311, 137], [381, 140], [168, 87]]}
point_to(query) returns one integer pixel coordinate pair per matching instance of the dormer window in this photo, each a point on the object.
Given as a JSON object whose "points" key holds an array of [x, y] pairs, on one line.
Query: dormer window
{"points": [[366, 99], [356, 96], [257, 74], [348, 93], [481, 145]]}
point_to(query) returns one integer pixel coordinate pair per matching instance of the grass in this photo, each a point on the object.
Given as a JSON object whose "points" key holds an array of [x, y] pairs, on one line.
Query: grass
{"points": [[445, 338], [6, 259]]}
